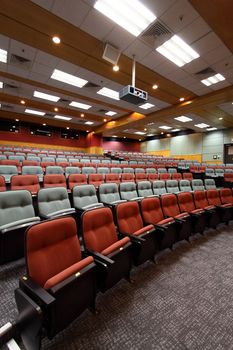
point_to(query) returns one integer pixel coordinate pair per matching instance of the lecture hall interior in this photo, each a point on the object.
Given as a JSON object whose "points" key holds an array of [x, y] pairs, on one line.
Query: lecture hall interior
{"points": [[116, 174]]}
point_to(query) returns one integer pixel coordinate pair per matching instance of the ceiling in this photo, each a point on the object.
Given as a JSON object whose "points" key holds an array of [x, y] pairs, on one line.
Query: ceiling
{"points": [[27, 28]]}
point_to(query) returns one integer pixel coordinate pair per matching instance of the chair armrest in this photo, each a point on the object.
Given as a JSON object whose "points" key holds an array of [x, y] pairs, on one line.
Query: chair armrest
{"points": [[132, 237], [35, 291], [100, 257]]}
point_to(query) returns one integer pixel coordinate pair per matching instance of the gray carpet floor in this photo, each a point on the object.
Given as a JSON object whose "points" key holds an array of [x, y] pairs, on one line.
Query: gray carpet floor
{"points": [[183, 302]]}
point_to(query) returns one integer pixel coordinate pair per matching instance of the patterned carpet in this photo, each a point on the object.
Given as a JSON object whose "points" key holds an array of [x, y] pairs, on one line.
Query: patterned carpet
{"points": [[184, 302]]}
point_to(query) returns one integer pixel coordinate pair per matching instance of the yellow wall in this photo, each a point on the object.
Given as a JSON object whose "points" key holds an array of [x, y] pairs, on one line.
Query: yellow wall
{"points": [[164, 153]]}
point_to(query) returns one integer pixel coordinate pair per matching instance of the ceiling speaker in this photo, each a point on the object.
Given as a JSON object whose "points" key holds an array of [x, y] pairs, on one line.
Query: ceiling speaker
{"points": [[111, 54]]}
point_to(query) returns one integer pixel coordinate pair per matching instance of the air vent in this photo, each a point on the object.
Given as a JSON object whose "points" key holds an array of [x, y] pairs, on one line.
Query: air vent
{"points": [[20, 61], [49, 115], [64, 100], [206, 71], [102, 111], [156, 34], [7, 106], [91, 85], [10, 86]]}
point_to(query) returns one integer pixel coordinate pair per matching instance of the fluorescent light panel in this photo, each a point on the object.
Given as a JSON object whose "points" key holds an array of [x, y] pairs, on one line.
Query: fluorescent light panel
{"points": [[213, 80], [62, 117], [1, 84], [150, 135], [175, 130], [211, 129], [164, 127], [202, 125], [109, 93], [183, 119], [46, 96], [110, 113], [177, 51], [146, 106], [3, 56], [80, 105], [68, 78], [140, 133], [133, 16], [32, 111], [89, 123]]}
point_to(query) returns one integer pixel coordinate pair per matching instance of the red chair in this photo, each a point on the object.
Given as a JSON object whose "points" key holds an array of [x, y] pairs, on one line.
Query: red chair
{"points": [[226, 196], [96, 179], [143, 238], [127, 177], [153, 177], [171, 209], [2, 183], [164, 176], [224, 209], [45, 164], [112, 255], [76, 179], [166, 234], [58, 278], [63, 164], [112, 178], [54, 180], [188, 176], [176, 176], [198, 217], [25, 182], [140, 177], [30, 163], [11, 162], [212, 216], [228, 179]]}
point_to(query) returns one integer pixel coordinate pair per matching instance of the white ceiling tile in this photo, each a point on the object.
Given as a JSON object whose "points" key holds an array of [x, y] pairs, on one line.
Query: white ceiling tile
{"points": [[220, 85], [4, 42], [3, 67], [223, 65], [97, 24], [178, 75], [217, 54], [72, 11], [42, 69], [207, 43], [195, 66], [165, 68], [139, 49], [158, 7], [47, 4], [22, 50], [38, 77], [17, 71], [153, 60], [179, 15], [66, 67], [46, 59], [119, 38], [194, 31]]}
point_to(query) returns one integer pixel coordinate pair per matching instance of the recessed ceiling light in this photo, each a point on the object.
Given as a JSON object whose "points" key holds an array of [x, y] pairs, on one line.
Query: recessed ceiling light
{"points": [[109, 93], [202, 125], [145, 129], [56, 109], [62, 117], [177, 51], [213, 80], [181, 99], [149, 135], [79, 105], [211, 129], [22, 102], [183, 119], [32, 111], [48, 97], [140, 133], [114, 136], [68, 78], [220, 118], [175, 130], [1, 84], [116, 68], [110, 113], [67, 127], [164, 127], [155, 86], [140, 140], [124, 137], [168, 135], [3, 56], [89, 123], [105, 120], [133, 16], [146, 106], [17, 120], [87, 130], [56, 40], [82, 115], [162, 133], [44, 124]]}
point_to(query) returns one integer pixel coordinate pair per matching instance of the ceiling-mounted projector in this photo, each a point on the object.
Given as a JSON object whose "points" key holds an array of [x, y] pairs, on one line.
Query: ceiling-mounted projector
{"points": [[132, 94]]}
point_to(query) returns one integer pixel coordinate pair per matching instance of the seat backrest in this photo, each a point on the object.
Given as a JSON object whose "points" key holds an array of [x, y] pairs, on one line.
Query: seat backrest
{"points": [[209, 171], [116, 170], [15, 205], [88, 170], [26, 182], [176, 176], [48, 159], [72, 170], [172, 186], [84, 195], [2, 183], [76, 179], [54, 180], [200, 199], [128, 217], [152, 177], [210, 184], [127, 177], [140, 177], [185, 185], [144, 189], [54, 170], [172, 170], [219, 172], [150, 170], [52, 199], [188, 176], [169, 205], [51, 247], [128, 190], [98, 229], [159, 187], [197, 185], [61, 160], [96, 179], [20, 158], [162, 170], [30, 163], [226, 196], [32, 170], [185, 200], [139, 170], [109, 193], [128, 170], [151, 210], [103, 170], [3, 157], [213, 197], [164, 176], [112, 178], [7, 171]]}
